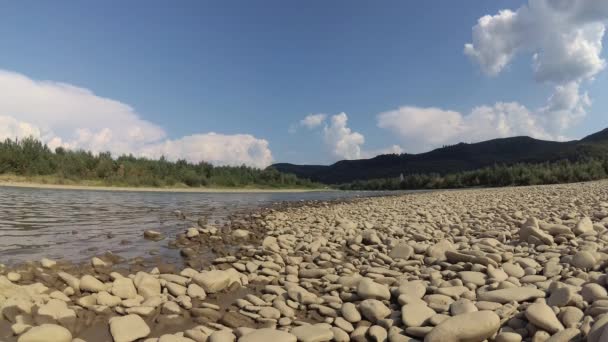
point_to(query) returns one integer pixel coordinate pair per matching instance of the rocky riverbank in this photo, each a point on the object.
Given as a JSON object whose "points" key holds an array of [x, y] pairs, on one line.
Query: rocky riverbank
{"points": [[502, 265]]}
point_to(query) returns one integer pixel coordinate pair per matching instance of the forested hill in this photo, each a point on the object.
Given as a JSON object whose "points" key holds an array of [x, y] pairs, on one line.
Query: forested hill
{"points": [[455, 158]]}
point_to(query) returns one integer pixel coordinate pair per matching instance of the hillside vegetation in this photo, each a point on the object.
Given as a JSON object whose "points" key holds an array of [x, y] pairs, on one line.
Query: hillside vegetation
{"points": [[456, 159], [563, 171], [31, 158]]}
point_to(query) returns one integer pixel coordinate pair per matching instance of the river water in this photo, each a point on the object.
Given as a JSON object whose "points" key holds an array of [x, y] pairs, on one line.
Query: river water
{"points": [[78, 224]]}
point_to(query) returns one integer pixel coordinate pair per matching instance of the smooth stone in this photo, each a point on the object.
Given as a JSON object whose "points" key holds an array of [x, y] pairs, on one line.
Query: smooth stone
{"points": [[104, 298], [584, 260], [377, 334], [374, 310], [517, 294], [153, 235], [561, 297], [416, 315], [592, 292], [313, 333], [413, 288], [542, 316], [570, 316], [350, 313], [48, 263], [222, 336], [469, 327], [128, 328], [566, 335], [268, 335], [530, 229], [89, 283], [214, 281], [240, 234], [369, 289], [46, 333], [13, 276], [192, 233], [196, 292], [147, 285], [508, 337], [599, 326], [340, 335], [438, 251], [462, 306], [124, 288], [513, 270], [583, 226], [476, 278], [401, 251]]}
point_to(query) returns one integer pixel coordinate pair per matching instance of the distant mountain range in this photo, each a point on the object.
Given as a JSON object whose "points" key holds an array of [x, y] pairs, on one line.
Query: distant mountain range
{"points": [[455, 158]]}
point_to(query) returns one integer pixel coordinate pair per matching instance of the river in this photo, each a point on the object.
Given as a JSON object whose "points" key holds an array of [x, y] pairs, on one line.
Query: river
{"points": [[78, 224]]}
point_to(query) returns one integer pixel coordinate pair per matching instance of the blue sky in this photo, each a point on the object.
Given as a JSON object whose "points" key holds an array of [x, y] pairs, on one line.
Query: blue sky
{"points": [[251, 71]]}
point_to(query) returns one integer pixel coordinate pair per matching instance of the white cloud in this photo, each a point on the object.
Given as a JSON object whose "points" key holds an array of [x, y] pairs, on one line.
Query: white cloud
{"points": [[10, 128], [313, 120], [565, 107], [431, 125], [493, 54], [64, 115], [425, 128], [343, 142], [215, 148], [564, 39]]}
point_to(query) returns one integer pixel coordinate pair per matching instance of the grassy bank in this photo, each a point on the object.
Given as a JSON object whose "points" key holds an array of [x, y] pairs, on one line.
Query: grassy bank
{"points": [[29, 160]]}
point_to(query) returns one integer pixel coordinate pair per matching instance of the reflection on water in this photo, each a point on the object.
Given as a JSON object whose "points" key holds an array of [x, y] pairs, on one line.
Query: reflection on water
{"points": [[78, 224]]}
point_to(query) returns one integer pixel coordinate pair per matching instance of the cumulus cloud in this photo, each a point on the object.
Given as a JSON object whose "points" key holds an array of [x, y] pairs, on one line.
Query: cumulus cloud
{"points": [[10, 128], [313, 120], [343, 142], [564, 40], [215, 148], [65, 115], [425, 128]]}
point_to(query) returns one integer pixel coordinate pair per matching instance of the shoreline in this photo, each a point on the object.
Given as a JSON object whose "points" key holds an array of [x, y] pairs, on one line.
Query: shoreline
{"points": [[498, 264], [34, 185]]}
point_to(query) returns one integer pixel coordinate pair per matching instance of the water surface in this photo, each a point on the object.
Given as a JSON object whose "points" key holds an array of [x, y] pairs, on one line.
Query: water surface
{"points": [[79, 224]]}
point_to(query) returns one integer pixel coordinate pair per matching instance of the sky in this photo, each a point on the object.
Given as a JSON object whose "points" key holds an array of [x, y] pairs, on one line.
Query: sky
{"points": [[312, 82]]}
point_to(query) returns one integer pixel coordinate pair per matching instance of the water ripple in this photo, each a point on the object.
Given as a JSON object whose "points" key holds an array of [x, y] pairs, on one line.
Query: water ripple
{"points": [[77, 224]]}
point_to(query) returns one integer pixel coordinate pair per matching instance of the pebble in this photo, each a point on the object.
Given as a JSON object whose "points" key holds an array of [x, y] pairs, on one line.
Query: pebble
{"points": [[514, 294], [46, 333], [128, 328], [541, 315], [91, 284], [504, 265], [350, 312], [474, 326], [416, 315], [374, 310], [268, 335], [369, 289], [313, 333]]}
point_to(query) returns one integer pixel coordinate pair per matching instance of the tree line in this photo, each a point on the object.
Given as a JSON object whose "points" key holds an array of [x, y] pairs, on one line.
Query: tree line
{"points": [[563, 171], [30, 157]]}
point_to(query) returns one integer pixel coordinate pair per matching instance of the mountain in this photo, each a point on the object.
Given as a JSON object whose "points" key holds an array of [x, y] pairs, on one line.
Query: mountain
{"points": [[455, 158]]}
